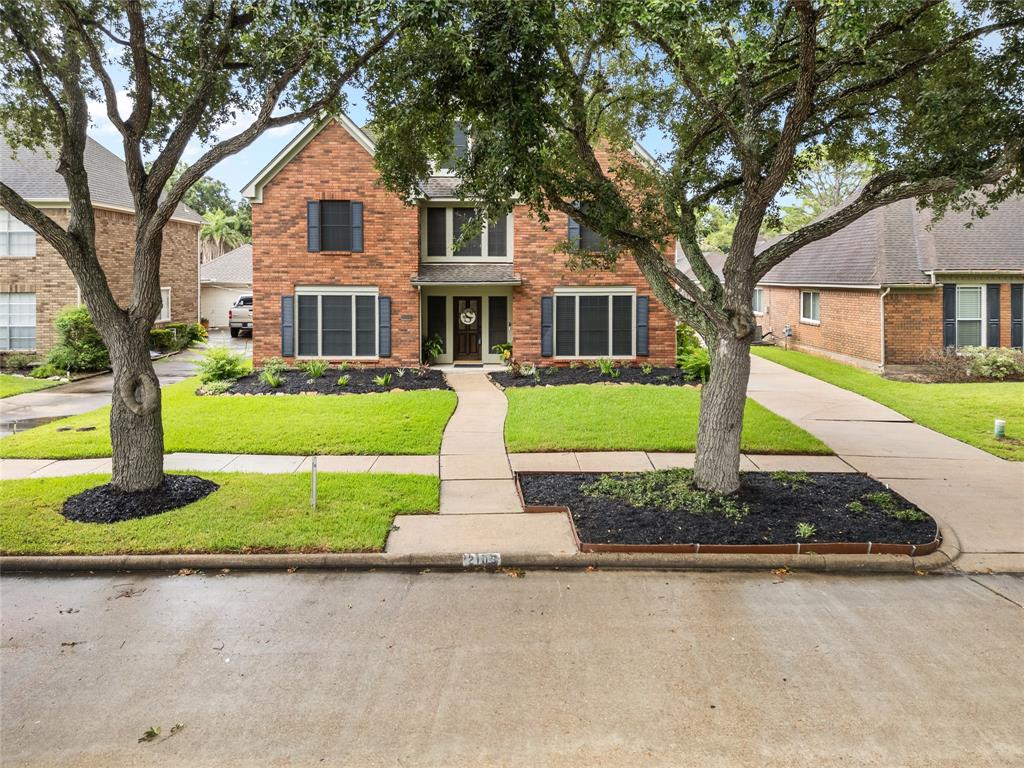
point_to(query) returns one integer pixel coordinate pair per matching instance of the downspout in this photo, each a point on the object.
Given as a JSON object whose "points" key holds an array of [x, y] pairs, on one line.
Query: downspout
{"points": [[419, 322], [881, 326]]}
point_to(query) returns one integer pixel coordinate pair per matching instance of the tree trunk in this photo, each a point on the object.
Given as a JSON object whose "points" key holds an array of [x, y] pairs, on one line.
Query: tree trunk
{"points": [[136, 429], [717, 466]]}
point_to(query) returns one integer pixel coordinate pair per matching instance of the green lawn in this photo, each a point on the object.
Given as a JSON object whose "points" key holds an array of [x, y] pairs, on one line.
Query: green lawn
{"points": [[389, 423], [19, 385], [248, 513], [633, 417], [963, 411]]}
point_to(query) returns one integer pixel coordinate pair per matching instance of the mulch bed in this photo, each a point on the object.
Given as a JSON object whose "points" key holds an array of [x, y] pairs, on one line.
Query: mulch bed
{"points": [[775, 509], [107, 504], [552, 375], [360, 382]]}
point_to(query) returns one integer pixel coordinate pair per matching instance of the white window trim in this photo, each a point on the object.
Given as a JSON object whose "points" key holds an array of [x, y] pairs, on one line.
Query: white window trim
{"points": [[449, 238], [984, 314], [593, 291], [760, 292], [5, 232], [334, 290], [163, 319], [810, 320], [35, 324]]}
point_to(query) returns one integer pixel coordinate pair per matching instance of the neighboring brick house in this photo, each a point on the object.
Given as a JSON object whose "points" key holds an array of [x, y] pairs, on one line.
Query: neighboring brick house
{"points": [[36, 283], [892, 287], [344, 269]]}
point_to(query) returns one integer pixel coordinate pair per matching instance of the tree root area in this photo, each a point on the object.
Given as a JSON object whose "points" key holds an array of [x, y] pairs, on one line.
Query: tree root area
{"points": [[109, 504]]}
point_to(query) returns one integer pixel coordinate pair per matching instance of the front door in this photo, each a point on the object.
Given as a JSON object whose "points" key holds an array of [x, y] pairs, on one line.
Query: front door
{"points": [[467, 327]]}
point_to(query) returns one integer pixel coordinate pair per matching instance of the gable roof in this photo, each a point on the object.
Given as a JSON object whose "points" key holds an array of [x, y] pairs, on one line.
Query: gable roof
{"points": [[898, 244], [33, 175], [233, 267]]}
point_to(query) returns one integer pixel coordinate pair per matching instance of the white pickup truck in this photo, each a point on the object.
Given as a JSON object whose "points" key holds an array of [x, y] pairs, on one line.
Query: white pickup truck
{"points": [[240, 315]]}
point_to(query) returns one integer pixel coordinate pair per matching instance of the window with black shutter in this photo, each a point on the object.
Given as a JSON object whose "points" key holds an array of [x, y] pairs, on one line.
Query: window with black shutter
{"points": [[595, 324], [335, 225], [583, 237], [338, 323]]}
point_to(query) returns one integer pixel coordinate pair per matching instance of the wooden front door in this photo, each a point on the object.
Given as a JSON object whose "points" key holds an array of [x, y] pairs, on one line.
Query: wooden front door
{"points": [[466, 318]]}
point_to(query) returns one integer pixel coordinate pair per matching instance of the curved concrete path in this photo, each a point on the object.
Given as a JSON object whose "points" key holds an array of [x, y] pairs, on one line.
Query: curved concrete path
{"points": [[978, 495], [480, 509]]}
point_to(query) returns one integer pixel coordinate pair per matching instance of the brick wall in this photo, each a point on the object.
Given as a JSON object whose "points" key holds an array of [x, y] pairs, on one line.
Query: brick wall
{"points": [[48, 276], [849, 321], [334, 166]]}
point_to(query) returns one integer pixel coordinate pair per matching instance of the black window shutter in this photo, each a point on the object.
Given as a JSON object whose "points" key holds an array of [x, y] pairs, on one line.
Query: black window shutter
{"points": [[287, 326], [1017, 315], [497, 318], [642, 312], [574, 233], [949, 315], [547, 318], [313, 226], [384, 332], [357, 227], [992, 303]]}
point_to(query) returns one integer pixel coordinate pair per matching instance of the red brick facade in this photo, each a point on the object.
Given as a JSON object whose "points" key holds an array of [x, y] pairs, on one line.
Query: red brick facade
{"points": [[333, 165], [850, 321], [49, 278]]}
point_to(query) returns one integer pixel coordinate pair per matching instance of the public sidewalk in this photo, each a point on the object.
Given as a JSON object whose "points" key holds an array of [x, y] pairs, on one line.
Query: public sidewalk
{"points": [[978, 495]]}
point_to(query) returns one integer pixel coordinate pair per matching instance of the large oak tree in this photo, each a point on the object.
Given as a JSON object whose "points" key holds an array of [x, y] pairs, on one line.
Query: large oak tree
{"points": [[194, 69], [739, 91]]}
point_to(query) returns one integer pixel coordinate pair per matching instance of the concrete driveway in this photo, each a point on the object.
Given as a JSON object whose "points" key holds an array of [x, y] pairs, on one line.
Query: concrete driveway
{"points": [[548, 669], [22, 412]]}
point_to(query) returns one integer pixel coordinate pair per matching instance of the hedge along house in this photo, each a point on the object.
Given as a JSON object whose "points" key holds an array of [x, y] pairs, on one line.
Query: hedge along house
{"points": [[894, 287], [36, 283], [343, 269]]}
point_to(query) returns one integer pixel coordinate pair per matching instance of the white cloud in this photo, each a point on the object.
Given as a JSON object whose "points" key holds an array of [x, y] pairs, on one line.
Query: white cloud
{"points": [[98, 112]]}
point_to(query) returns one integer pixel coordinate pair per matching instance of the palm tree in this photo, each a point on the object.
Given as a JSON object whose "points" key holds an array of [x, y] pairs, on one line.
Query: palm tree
{"points": [[220, 232]]}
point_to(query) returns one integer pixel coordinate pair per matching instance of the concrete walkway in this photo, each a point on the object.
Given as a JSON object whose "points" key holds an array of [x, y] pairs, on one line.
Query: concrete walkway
{"points": [[480, 509], [978, 495]]}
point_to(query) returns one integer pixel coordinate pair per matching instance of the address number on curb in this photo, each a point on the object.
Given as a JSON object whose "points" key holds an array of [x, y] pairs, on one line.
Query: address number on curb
{"points": [[477, 559]]}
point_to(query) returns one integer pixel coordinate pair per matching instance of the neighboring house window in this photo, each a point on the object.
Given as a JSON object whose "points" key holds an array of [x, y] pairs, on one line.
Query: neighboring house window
{"points": [[445, 225], [334, 225], [165, 305], [17, 321], [758, 301], [810, 306], [337, 323], [585, 238], [16, 238], [594, 324], [969, 306]]}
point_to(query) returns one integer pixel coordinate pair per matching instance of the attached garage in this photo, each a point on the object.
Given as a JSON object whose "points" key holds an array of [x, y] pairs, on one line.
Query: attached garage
{"points": [[222, 281]]}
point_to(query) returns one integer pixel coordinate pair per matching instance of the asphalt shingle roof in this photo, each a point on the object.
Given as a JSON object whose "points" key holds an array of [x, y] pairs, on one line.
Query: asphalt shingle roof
{"points": [[34, 176], [441, 186], [457, 274], [232, 267], [898, 244]]}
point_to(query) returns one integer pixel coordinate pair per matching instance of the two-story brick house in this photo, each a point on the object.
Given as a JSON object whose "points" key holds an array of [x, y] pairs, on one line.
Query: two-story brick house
{"points": [[344, 269], [36, 283]]}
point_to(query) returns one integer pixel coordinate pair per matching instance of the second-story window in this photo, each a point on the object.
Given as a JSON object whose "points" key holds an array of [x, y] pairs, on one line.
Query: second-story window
{"points": [[334, 225], [585, 238], [444, 227]]}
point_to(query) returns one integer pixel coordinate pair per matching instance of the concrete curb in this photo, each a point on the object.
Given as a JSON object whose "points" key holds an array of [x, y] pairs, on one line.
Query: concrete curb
{"points": [[363, 561]]}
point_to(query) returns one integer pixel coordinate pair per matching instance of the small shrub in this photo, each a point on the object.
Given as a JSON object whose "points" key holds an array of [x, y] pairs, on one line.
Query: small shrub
{"points": [[400, 373], [422, 370], [343, 366], [697, 364], [686, 341], [791, 479], [220, 364], [162, 340], [274, 365], [217, 387], [890, 506], [908, 515], [607, 367], [344, 379], [575, 364], [44, 371], [383, 380], [946, 365], [550, 370], [663, 379], [433, 347], [196, 333], [616, 373], [805, 530], [79, 345], [647, 369], [994, 363], [668, 489], [314, 369], [503, 350], [17, 361], [271, 377], [857, 507], [527, 369]]}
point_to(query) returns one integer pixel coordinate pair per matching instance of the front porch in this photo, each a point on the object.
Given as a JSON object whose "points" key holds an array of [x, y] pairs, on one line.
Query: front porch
{"points": [[468, 309]]}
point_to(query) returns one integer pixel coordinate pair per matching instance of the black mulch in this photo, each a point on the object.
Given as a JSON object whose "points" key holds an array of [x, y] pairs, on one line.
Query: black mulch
{"points": [[775, 510], [360, 382], [107, 504], [552, 375]]}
